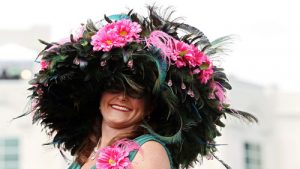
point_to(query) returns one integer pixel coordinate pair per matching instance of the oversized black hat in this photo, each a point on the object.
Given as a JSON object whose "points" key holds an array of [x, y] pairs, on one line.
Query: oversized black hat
{"points": [[170, 61]]}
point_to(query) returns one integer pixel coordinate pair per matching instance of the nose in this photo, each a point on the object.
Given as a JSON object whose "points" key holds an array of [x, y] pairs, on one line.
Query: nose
{"points": [[122, 96]]}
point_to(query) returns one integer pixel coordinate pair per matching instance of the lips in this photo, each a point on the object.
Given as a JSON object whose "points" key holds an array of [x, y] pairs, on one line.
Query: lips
{"points": [[120, 107]]}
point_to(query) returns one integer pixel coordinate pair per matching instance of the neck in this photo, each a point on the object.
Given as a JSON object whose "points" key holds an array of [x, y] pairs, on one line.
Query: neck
{"points": [[108, 133]]}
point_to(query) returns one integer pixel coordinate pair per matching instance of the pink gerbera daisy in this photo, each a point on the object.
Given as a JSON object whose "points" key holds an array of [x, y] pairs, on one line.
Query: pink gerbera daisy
{"points": [[206, 70], [182, 54], [205, 75], [115, 34], [104, 41], [199, 56], [116, 156], [127, 31], [113, 158]]}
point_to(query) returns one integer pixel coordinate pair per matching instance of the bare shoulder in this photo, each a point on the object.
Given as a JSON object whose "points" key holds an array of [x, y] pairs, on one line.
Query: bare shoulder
{"points": [[151, 155]]}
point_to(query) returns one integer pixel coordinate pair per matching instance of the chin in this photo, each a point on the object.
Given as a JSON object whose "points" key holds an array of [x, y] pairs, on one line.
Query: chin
{"points": [[119, 124]]}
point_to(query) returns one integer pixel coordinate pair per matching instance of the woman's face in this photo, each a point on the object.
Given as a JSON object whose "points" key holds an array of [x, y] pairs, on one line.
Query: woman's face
{"points": [[120, 110]]}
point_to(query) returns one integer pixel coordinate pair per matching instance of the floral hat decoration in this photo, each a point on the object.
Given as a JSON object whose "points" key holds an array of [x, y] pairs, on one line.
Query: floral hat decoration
{"points": [[170, 61]]}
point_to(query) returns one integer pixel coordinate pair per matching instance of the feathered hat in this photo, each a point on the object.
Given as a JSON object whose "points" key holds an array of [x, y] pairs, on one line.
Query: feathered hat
{"points": [[168, 60]]}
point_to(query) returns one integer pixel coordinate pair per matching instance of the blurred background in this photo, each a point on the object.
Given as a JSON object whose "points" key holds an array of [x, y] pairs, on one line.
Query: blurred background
{"points": [[262, 66]]}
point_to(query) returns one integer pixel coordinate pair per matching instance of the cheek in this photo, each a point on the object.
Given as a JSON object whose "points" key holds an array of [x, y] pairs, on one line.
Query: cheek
{"points": [[138, 116], [140, 110], [102, 108]]}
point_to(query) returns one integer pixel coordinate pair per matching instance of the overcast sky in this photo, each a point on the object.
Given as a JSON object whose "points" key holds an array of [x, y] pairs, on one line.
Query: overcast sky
{"points": [[267, 32]]}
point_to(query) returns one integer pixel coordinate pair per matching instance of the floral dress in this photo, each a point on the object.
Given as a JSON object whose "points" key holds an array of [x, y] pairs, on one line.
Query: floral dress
{"points": [[140, 141]]}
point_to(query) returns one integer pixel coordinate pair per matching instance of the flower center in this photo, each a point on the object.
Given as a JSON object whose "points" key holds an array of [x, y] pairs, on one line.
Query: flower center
{"points": [[108, 42], [182, 53], [123, 33], [112, 162]]}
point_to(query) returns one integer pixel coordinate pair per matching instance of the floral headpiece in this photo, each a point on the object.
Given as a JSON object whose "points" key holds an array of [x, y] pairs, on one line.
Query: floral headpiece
{"points": [[143, 55]]}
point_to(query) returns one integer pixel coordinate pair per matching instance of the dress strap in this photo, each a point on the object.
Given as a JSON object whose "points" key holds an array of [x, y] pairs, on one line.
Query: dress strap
{"points": [[145, 138], [74, 165]]}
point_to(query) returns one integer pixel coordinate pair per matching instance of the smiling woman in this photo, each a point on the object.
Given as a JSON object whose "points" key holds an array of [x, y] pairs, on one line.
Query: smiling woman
{"points": [[121, 114], [129, 92], [119, 110]]}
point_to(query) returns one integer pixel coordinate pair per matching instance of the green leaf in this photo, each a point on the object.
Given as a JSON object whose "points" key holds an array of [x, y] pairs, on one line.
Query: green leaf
{"points": [[204, 66], [226, 105], [33, 81], [105, 56], [90, 26], [83, 42]]}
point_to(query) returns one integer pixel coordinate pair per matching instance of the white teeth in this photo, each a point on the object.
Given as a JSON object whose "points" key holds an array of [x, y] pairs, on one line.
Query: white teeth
{"points": [[120, 108]]}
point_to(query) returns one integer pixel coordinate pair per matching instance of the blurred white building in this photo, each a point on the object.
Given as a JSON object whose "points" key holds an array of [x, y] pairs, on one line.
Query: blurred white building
{"points": [[20, 141], [270, 144]]}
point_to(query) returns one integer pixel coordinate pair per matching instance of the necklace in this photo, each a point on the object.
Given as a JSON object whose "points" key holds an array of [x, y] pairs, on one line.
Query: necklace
{"points": [[95, 152]]}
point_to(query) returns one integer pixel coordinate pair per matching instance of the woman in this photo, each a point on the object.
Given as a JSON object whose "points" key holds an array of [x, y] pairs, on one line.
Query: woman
{"points": [[120, 115], [133, 92]]}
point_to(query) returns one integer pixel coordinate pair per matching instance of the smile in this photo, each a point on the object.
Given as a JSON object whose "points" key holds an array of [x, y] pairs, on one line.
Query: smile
{"points": [[121, 108]]}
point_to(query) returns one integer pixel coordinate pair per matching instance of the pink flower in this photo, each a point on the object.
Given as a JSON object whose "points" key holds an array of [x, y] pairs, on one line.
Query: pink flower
{"points": [[206, 70], [127, 30], [205, 75], [113, 158], [180, 63], [181, 49], [104, 41], [199, 57], [116, 156], [182, 54], [177, 52], [189, 54], [206, 63], [115, 34], [43, 65], [196, 71]]}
